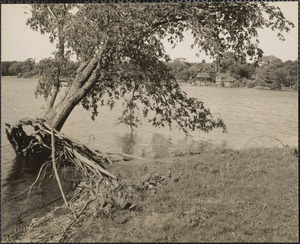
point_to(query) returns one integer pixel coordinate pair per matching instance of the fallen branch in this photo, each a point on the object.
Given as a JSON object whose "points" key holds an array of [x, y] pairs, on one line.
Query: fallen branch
{"points": [[264, 136], [127, 155]]}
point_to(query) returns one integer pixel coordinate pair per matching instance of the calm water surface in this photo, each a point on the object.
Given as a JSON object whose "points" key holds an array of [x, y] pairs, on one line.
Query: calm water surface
{"points": [[248, 113]]}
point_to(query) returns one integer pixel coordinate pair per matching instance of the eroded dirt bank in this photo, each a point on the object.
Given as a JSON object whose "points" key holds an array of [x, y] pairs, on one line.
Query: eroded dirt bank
{"points": [[217, 195]]}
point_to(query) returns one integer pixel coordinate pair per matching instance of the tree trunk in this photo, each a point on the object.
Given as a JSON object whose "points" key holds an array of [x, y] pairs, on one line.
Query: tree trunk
{"points": [[28, 142], [88, 75], [25, 136], [81, 86], [54, 92], [59, 57]]}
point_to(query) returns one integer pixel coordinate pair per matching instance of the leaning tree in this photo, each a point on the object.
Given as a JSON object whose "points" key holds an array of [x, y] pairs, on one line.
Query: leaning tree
{"points": [[121, 55]]}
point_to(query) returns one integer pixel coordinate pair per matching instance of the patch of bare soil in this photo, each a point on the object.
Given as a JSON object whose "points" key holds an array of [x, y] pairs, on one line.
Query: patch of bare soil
{"points": [[217, 195]]}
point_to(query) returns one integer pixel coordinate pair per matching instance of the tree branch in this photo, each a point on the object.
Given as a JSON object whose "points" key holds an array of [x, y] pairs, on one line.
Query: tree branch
{"points": [[51, 13], [157, 24]]}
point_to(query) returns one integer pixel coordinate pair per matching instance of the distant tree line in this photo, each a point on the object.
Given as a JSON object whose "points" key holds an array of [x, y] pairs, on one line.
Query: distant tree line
{"points": [[29, 68], [24, 69], [269, 72]]}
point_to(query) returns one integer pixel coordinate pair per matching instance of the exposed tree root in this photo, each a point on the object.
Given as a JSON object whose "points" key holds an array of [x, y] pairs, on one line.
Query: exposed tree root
{"points": [[56, 174], [36, 138], [32, 138], [97, 187]]}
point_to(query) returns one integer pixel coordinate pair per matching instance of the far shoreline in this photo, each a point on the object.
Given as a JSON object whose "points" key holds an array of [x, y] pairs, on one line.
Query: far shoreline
{"points": [[64, 80], [255, 87]]}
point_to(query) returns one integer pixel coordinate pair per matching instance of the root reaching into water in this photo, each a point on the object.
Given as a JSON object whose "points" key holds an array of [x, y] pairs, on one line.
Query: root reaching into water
{"points": [[56, 174], [30, 188], [38, 139], [97, 189]]}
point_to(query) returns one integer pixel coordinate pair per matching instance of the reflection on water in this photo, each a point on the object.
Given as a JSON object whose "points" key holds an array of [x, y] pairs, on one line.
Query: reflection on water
{"points": [[248, 113], [161, 145], [21, 176], [22, 172], [127, 142]]}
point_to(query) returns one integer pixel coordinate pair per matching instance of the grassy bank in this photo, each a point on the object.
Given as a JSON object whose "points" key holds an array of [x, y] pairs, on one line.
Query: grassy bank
{"points": [[216, 195]]}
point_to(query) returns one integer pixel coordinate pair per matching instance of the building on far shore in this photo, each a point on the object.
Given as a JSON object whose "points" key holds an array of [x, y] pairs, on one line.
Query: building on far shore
{"points": [[225, 79], [203, 79]]}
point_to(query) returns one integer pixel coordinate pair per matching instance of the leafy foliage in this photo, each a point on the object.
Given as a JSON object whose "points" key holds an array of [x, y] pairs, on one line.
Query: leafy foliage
{"points": [[122, 55], [269, 71], [276, 74], [47, 69], [47, 77], [50, 18], [23, 69]]}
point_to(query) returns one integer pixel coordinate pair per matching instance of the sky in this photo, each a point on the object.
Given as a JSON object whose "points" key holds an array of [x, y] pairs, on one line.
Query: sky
{"points": [[19, 42]]}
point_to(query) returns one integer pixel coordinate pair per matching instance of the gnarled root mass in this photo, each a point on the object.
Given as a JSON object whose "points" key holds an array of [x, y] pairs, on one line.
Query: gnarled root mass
{"points": [[35, 138], [32, 138]]}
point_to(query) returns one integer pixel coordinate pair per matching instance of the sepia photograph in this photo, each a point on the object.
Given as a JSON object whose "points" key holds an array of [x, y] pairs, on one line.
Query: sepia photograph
{"points": [[149, 122]]}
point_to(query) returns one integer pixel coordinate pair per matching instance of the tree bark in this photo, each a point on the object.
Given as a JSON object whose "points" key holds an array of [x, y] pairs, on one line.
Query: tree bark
{"points": [[33, 144], [59, 58], [82, 85], [54, 92]]}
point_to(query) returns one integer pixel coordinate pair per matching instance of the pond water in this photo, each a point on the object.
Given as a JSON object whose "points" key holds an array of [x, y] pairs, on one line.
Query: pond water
{"points": [[248, 113]]}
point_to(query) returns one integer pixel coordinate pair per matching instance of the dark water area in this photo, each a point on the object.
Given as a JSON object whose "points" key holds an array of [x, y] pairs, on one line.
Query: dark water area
{"points": [[248, 113], [44, 195]]}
